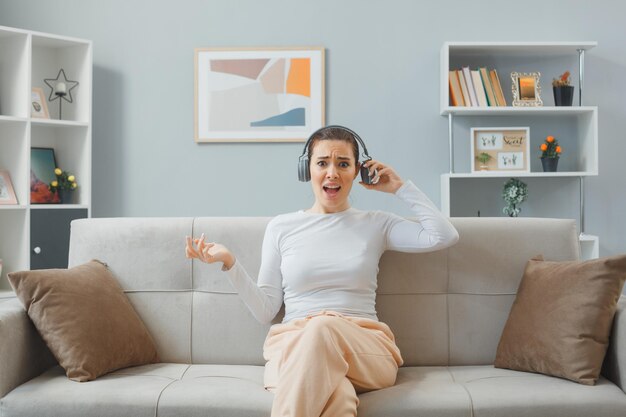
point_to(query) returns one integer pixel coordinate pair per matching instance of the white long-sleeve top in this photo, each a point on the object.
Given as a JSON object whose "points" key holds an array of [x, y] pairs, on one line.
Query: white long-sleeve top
{"points": [[314, 262]]}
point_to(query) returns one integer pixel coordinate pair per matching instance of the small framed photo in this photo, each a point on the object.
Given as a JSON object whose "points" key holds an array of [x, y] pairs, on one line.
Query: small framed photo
{"points": [[42, 166], [38, 106], [258, 94], [526, 89], [7, 193], [500, 149]]}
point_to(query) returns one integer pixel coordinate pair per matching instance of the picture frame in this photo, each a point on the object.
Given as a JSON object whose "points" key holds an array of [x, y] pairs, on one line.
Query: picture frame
{"points": [[42, 165], [38, 105], [258, 94], [508, 149], [7, 193], [526, 89]]}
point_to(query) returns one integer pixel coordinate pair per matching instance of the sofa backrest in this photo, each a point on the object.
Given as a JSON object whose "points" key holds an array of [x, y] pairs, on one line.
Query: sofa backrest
{"points": [[445, 308]]}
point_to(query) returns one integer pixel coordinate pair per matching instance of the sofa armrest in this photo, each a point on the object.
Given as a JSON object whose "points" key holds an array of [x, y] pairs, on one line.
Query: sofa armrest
{"points": [[23, 354], [615, 361]]}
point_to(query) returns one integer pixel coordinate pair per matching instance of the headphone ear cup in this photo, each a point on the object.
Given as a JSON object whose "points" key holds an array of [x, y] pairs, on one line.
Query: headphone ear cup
{"points": [[304, 175], [365, 175]]}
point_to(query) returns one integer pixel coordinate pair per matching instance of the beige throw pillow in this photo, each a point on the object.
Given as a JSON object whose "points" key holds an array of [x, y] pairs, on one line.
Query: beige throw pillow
{"points": [[85, 319], [561, 319]]}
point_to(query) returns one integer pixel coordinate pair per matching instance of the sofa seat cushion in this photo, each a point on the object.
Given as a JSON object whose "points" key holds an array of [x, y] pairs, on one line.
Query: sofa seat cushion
{"points": [[503, 392], [484, 391], [175, 389], [237, 390], [419, 391]]}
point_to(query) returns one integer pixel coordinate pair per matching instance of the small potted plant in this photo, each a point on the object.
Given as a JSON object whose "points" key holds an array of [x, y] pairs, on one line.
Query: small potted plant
{"points": [[563, 91], [550, 154], [514, 194], [64, 185], [484, 158]]}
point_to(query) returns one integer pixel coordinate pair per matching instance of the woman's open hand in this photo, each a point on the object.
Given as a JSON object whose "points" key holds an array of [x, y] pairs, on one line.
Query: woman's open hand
{"points": [[387, 180], [208, 252]]}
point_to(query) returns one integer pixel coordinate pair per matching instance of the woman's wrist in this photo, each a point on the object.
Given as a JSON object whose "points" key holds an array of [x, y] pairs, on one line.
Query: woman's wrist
{"points": [[228, 263], [395, 190]]}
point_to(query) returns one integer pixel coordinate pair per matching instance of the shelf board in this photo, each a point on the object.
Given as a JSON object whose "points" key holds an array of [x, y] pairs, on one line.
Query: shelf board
{"points": [[517, 111], [48, 40], [11, 119], [518, 48], [12, 207], [58, 206], [61, 123], [520, 174]]}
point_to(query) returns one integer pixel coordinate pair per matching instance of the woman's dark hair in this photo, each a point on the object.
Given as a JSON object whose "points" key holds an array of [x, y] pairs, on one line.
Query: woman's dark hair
{"points": [[334, 133]]}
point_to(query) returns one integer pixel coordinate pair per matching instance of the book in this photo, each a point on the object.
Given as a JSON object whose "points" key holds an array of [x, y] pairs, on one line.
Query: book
{"points": [[456, 96], [479, 88], [464, 91], [495, 82], [467, 73], [491, 97]]}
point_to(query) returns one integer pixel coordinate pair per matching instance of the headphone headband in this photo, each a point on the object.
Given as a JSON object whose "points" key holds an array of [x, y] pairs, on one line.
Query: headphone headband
{"points": [[352, 132]]}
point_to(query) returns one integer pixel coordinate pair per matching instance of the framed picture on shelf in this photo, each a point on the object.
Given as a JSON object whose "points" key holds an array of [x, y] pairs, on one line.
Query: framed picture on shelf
{"points": [[7, 193], [38, 106], [500, 149], [42, 166], [258, 94], [526, 89]]}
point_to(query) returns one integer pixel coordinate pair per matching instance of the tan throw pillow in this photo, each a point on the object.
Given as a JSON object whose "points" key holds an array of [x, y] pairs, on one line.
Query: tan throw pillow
{"points": [[85, 319], [561, 319]]}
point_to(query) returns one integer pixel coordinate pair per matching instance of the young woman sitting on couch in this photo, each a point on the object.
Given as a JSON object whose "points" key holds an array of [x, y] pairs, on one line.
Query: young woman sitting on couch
{"points": [[322, 263]]}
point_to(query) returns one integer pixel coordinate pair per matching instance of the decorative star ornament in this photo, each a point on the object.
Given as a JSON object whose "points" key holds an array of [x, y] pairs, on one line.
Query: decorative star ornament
{"points": [[60, 88]]}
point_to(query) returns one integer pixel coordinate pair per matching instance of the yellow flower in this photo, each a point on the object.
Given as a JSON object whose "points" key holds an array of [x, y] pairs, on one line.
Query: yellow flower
{"points": [[71, 178], [58, 171], [54, 183], [74, 185]]}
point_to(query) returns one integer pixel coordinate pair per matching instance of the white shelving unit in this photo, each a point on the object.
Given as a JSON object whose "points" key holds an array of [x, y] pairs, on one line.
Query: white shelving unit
{"points": [[26, 58], [582, 121]]}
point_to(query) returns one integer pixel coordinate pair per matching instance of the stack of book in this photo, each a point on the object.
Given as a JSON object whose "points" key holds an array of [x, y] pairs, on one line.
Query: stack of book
{"points": [[475, 88]]}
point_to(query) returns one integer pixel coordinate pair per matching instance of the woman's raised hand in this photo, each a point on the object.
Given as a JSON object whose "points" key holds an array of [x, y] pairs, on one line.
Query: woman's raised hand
{"points": [[387, 180], [208, 252]]}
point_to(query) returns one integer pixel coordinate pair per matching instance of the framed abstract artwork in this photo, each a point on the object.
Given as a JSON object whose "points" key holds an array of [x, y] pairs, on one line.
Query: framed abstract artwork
{"points": [[258, 95], [500, 149]]}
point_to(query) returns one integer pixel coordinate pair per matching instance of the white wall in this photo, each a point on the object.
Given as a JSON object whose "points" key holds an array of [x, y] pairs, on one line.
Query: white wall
{"points": [[382, 80]]}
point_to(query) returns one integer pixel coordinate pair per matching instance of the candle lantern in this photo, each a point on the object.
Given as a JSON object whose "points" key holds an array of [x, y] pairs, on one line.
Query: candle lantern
{"points": [[60, 89]]}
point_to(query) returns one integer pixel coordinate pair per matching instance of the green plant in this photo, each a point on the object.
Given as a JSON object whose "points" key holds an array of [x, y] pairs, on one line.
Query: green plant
{"points": [[562, 81], [64, 181], [550, 148], [514, 194], [483, 157]]}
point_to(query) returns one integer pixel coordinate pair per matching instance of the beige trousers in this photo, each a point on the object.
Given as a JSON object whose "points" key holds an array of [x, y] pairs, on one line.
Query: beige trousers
{"points": [[317, 365]]}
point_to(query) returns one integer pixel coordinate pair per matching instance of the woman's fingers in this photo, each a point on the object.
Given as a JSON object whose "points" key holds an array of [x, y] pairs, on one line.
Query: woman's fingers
{"points": [[202, 249], [374, 166], [190, 246], [385, 171], [190, 253]]}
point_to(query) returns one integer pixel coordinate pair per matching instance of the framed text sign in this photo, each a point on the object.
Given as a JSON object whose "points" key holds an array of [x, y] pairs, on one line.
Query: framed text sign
{"points": [[500, 149]]}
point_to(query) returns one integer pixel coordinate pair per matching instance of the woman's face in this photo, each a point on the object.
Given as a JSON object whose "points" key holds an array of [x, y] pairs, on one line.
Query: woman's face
{"points": [[333, 169]]}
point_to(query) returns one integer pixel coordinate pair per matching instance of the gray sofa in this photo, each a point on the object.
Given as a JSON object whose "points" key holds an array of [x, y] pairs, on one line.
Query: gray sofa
{"points": [[447, 310]]}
